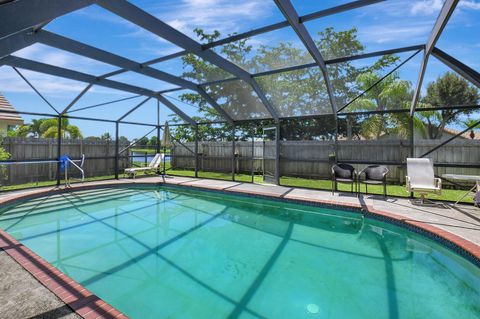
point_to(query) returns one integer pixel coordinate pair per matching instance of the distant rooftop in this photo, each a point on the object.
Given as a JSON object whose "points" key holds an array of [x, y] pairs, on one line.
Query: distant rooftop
{"points": [[10, 118]]}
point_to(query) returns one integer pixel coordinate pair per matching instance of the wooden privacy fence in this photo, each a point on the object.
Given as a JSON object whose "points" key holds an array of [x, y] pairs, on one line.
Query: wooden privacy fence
{"points": [[312, 159], [46, 149]]}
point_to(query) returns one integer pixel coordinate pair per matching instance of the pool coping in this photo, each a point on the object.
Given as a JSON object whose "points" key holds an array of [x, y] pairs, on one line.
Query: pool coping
{"points": [[89, 306]]}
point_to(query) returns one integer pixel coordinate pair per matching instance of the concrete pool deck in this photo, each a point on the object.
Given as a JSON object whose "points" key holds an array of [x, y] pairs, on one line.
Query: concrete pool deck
{"points": [[459, 224]]}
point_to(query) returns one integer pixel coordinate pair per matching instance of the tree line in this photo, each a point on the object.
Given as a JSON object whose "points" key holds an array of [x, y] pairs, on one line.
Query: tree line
{"points": [[302, 92]]}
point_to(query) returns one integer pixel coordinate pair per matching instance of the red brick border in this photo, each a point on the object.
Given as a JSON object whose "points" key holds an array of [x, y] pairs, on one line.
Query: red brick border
{"points": [[74, 295], [89, 306]]}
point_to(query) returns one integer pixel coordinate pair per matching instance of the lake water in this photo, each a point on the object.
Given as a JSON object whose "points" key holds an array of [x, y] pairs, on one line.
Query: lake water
{"points": [[140, 157]]}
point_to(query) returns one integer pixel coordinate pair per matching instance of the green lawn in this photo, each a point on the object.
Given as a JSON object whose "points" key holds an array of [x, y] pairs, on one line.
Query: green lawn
{"points": [[392, 190]]}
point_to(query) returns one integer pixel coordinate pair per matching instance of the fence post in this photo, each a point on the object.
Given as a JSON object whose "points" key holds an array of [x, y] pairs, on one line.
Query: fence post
{"points": [[196, 151], [335, 146], [116, 149], [59, 147], [253, 158], [233, 152], [158, 136], [412, 140], [277, 153], [165, 152], [412, 136]]}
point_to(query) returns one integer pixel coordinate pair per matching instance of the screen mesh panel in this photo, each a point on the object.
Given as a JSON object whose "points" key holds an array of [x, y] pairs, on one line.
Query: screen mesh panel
{"points": [[238, 99], [297, 93]]}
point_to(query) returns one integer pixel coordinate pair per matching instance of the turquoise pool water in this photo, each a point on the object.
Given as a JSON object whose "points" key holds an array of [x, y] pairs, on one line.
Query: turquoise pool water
{"points": [[161, 252]]}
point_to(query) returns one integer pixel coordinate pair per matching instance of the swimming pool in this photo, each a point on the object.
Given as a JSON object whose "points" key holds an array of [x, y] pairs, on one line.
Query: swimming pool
{"points": [[170, 252]]}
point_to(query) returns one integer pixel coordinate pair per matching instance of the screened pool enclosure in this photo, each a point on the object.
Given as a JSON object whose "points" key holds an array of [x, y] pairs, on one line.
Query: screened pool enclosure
{"points": [[278, 98]]}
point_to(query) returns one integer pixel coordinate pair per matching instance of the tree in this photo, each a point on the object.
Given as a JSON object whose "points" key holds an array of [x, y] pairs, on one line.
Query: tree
{"points": [[389, 94], [152, 143], [47, 128], [143, 142], [293, 93], [449, 90], [123, 140], [4, 155], [471, 123], [106, 136]]}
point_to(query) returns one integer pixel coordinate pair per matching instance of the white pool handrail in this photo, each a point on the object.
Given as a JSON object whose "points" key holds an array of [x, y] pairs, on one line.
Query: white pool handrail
{"points": [[80, 168]]}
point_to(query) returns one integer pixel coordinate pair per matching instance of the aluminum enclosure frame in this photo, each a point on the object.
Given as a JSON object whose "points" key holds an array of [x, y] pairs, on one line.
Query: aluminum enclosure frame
{"points": [[22, 32]]}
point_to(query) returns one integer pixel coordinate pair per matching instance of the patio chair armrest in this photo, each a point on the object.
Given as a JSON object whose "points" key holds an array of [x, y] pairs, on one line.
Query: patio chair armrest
{"points": [[386, 172], [361, 172], [356, 175]]}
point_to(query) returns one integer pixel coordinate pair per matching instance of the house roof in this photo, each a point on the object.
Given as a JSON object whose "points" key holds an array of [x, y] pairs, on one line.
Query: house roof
{"points": [[465, 135], [10, 118]]}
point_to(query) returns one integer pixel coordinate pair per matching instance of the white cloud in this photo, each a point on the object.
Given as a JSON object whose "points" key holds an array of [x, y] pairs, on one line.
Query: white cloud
{"points": [[45, 84], [222, 15], [395, 33], [432, 7], [60, 58], [426, 7], [469, 4]]}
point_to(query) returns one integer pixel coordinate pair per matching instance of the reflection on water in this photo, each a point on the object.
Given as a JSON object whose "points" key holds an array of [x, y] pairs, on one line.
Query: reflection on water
{"points": [[170, 253]]}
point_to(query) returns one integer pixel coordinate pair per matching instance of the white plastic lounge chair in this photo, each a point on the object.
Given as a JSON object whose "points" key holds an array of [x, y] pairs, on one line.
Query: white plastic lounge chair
{"points": [[152, 167], [421, 179]]}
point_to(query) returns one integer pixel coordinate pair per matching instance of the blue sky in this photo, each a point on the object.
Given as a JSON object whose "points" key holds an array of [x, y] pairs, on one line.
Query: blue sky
{"points": [[389, 24]]}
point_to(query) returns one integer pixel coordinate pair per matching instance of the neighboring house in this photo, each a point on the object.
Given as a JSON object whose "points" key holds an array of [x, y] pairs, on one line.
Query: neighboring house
{"points": [[8, 120], [450, 132], [447, 134]]}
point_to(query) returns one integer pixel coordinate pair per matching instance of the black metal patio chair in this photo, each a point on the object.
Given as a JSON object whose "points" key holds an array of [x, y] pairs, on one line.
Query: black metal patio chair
{"points": [[373, 175], [343, 173]]}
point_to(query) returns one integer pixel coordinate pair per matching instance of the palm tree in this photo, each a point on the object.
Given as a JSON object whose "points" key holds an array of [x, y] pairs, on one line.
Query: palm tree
{"points": [[389, 94], [469, 123], [48, 128]]}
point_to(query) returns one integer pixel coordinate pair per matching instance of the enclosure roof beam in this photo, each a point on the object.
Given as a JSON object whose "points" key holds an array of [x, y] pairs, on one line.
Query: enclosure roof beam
{"points": [[293, 19], [170, 105], [467, 72], [76, 47], [75, 100], [214, 103], [21, 15], [442, 20], [148, 22], [133, 109], [66, 44], [15, 42], [83, 77], [276, 26]]}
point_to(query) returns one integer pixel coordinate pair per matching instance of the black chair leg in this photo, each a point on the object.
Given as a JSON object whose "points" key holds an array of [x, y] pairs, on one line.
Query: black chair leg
{"points": [[385, 190]]}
